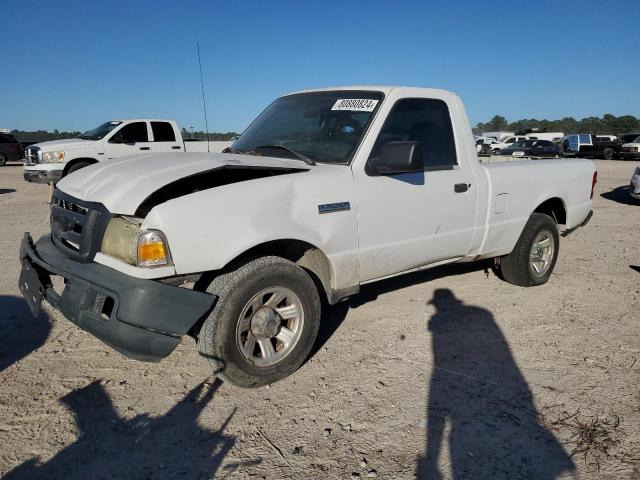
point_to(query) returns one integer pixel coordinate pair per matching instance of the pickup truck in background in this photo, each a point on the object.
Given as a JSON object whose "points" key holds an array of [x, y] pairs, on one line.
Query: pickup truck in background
{"points": [[50, 161], [326, 190], [631, 150], [589, 146]]}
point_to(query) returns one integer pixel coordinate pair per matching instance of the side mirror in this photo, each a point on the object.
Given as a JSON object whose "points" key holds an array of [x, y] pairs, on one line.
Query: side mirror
{"points": [[398, 157]]}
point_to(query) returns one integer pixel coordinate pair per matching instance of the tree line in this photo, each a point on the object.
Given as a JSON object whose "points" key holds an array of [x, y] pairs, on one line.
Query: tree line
{"points": [[606, 125], [44, 136]]}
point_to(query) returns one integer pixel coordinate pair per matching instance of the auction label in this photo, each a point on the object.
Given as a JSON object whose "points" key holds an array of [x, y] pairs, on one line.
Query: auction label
{"points": [[355, 104]]}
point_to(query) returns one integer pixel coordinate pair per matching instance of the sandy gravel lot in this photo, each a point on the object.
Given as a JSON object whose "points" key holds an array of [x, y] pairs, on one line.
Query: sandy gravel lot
{"points": [[450, 373]]}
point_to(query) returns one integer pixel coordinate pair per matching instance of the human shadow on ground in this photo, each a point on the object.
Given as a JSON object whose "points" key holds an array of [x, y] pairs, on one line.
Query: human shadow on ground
{"points": [[6, 190], [478, 391], [334, 315], [109, 446], [20, 332], [620, 195]]}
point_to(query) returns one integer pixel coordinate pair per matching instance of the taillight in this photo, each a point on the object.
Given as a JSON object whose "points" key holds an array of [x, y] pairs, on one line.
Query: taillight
{"points": [[593, 183]]}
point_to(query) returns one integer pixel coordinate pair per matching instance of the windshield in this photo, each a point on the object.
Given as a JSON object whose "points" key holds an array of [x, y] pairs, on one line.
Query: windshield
{"points": [[99, 133], [324, 126]]}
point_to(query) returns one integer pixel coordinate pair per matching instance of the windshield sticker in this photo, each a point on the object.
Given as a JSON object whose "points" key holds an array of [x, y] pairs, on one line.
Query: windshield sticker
{"points": [[355, 104]]}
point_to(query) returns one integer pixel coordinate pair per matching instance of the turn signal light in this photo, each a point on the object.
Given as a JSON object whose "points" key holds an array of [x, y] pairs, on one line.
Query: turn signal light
{"points": [[152, 249]]}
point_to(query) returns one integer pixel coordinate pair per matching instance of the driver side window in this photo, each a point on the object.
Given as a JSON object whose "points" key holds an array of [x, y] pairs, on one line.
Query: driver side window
{"points": [[132, 133], [426, 121]]}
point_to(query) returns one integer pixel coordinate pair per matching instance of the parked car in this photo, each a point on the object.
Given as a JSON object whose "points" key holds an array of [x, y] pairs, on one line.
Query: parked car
{"points": [[533, 148], [631, 150], [492, 146], [10, 149], [487, 145], [509, 141], [627, 138], [326, 190], [483, 149], [586, 145], [50, 161]]}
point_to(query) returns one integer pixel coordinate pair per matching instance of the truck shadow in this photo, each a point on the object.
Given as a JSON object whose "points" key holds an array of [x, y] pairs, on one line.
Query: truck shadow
{"points": [[20, 332], [620, 195], [479, 395], [110, 446], [334, 315]]}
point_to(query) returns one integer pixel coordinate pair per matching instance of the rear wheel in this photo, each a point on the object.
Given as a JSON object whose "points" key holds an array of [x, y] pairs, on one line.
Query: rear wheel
{"points": [[264, 323], [534, 256], [608, 153]]}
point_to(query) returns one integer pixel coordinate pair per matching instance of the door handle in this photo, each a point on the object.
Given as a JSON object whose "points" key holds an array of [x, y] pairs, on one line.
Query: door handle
{"points": [[176, 147], [145, 148], [461, 187]]}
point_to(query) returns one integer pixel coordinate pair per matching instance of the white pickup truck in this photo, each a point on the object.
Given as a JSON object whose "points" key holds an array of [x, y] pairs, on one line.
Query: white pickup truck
{"points": [[326, 190], [50, 161]]}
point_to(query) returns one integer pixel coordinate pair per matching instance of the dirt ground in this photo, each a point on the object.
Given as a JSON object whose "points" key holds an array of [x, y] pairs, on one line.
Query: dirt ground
{"points": [[449, 373]]}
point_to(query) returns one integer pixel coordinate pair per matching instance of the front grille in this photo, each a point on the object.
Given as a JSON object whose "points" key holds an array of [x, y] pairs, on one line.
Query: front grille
{"points": [[77, 226], [31, 155]]}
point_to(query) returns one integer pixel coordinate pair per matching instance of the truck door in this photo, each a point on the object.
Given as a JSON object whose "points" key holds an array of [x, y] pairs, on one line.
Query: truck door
{"points": [[413, 219], [164, 138], [132, 139]]}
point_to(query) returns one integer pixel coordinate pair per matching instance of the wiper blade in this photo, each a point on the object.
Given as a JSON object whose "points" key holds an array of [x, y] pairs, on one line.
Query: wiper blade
{"points": [[298, 155]]}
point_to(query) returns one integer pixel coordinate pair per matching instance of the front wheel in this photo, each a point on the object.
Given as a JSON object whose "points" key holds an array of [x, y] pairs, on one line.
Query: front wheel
{"points": [[264, 323], [534, 256], [3, 159], [76, 166]]}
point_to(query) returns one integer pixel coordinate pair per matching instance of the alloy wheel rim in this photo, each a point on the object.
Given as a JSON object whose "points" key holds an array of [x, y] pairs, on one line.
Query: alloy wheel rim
{"points": [[270, 326], [541, 253]]}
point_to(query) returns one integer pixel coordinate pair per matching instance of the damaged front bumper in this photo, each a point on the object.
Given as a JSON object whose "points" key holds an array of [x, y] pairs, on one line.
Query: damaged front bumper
{"points": [[142, 319]]}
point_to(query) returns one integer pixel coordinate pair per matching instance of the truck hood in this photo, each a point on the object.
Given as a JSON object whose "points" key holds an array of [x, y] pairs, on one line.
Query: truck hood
{"points": [[123, 184], [63, 144]]}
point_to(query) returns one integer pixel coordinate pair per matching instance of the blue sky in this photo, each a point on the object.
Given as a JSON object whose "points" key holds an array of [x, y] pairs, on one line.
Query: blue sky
{"points": [[71, 65]]}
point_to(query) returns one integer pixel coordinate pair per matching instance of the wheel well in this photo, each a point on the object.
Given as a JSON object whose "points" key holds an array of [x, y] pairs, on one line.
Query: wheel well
{"points": [[554, 207], [304, 254], [76, 161]]}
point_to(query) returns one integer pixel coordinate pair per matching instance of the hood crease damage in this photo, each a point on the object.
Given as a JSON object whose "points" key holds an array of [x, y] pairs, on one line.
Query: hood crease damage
{"points": [[212, 178]]}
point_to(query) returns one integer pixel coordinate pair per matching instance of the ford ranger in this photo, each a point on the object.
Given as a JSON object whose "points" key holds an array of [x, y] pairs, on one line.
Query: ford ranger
{"points": [[325, 191], [48, 162]]}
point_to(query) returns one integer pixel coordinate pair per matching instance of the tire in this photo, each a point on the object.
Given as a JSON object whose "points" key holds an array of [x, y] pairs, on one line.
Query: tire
{"points": [[242, 289], [3, 159], [608, 153], [77, 166], [517, 267]]}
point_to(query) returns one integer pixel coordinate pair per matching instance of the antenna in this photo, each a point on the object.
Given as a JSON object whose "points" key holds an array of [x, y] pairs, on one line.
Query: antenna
{"points": [[204, 102]]}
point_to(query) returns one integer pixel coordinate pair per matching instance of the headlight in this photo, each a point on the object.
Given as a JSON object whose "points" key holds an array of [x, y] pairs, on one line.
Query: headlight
{"points": [[52, 157], [124, 239]]}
